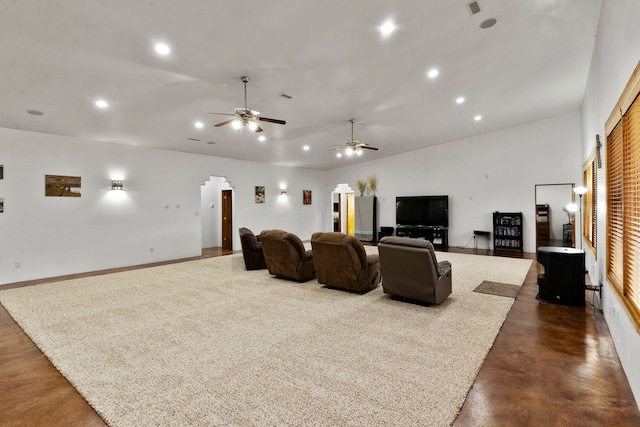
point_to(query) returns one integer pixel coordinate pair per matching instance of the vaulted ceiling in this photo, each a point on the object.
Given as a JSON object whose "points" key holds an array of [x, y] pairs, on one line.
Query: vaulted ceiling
{"points": [[330, 57]]}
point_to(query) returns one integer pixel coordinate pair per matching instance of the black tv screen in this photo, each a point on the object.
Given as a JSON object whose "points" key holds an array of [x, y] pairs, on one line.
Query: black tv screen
{"points": [[422, 211]]}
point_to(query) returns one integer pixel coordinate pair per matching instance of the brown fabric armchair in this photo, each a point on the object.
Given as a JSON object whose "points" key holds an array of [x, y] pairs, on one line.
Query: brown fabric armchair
{"points": [[411, 270], [342, 262], [251, 250], [286, 256]]}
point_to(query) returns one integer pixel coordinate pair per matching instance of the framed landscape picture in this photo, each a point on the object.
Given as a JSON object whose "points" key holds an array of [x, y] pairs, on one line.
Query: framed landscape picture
{"points": [[62, 186], [306, 197]]}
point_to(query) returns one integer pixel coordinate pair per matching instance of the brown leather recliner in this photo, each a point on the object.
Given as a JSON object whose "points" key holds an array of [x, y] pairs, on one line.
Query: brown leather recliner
{"points": [[286, 256], [410, 270], [342, 262], [251, 250]]}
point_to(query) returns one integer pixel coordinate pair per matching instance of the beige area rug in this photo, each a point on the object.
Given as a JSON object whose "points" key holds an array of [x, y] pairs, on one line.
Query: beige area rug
{"points": [[207, 343], [499, 289]]}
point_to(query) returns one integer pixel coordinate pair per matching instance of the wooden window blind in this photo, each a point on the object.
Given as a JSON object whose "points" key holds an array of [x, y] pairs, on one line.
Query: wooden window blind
{"points": [[614, 208], [590, 202], [623, 197], [631, 203]]}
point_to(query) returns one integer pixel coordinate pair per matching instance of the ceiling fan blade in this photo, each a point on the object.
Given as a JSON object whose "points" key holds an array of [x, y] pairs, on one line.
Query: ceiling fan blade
{"points": [[222, 114], [226, 122], [266, 119], [258, 129], [368, 147]]}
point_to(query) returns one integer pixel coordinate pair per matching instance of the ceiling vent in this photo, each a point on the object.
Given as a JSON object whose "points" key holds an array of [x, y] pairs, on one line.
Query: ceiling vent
{"points": [[473, 7]]}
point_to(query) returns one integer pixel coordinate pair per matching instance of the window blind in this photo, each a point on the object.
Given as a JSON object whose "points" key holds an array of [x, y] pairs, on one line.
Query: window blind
{"points": [[631, 203], [590, 206], [614, 208]]}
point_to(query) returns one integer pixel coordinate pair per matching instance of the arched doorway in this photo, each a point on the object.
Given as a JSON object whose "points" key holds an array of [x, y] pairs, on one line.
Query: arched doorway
{"points": [[216, 213], [343, 209]]}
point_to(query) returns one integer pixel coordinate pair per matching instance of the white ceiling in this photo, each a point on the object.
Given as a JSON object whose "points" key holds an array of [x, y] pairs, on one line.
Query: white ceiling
{"points": [[59, 56]]}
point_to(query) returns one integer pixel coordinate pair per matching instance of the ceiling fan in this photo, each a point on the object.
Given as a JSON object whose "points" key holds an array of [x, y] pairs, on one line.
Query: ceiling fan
{"points": [[244, 117], [352, 146]]}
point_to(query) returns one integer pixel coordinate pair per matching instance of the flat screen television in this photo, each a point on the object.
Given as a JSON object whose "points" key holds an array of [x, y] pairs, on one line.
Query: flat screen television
{"points": [[422, 211]]}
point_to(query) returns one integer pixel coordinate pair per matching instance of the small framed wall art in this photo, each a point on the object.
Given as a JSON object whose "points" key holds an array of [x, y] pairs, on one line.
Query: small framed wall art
{"points": [[62, 186], [259, 194], [306, 197]]}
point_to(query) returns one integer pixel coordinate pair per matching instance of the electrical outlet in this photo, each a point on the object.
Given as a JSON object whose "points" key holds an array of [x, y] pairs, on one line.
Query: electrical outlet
{"points": [[151, 250], [18, 265]]}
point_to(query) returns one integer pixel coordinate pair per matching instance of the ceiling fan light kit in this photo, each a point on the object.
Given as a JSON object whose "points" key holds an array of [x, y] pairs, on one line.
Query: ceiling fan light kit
{"points": [[246, 118], [353, 147]]}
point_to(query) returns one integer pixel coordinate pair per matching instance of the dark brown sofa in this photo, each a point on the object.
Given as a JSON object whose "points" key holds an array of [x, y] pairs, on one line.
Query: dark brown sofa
{"points": [[286, 256], [251, 250], [410, 270], [342, 262]]}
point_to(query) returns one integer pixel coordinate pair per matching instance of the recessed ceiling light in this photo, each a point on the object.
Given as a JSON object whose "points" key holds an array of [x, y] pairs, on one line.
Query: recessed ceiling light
{"points": [[162, 49], [477, 118], [101, 103], [387, 28], [338, 154], [199, 125], [460, 100], [305, 148], [262, 138], [35, 112], [488, 23], [433, 73]]}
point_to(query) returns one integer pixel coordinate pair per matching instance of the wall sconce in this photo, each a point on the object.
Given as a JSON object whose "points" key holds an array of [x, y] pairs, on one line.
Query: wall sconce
{"points": [[117, 185], [283, 192]]}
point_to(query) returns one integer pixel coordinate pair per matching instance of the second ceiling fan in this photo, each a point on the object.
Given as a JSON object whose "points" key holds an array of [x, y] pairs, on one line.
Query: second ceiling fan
{"points": [[353, 147], [244, 117]]}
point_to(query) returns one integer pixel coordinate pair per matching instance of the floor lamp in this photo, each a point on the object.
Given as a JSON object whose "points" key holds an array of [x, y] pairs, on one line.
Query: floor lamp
{"points": [[580, 191]]}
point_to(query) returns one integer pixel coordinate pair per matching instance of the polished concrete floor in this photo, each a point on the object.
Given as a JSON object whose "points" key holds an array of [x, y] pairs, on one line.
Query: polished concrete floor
{"points": [[551, 365]]}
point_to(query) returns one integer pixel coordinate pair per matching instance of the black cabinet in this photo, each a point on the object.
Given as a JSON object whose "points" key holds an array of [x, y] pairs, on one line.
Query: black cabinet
{"points": [[507, 232], [561, 275], [439, 236], [385, 231]]}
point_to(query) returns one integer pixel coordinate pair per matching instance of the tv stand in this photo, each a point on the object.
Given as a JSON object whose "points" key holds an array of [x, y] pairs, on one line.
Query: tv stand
{"points": [[438, 236]]}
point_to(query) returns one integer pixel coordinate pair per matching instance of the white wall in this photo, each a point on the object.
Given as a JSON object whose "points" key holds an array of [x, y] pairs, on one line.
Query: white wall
{"points": [[496, 171], [53, 236], [615, 56]]}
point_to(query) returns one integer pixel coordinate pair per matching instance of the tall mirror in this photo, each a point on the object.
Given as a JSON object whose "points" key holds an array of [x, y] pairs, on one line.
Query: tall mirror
{"points": [[555, 224], [336, 202]]}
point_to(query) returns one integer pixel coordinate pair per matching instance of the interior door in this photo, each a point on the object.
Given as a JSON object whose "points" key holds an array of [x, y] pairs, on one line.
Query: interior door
{"points": [[227, 223], [351, 214]]}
